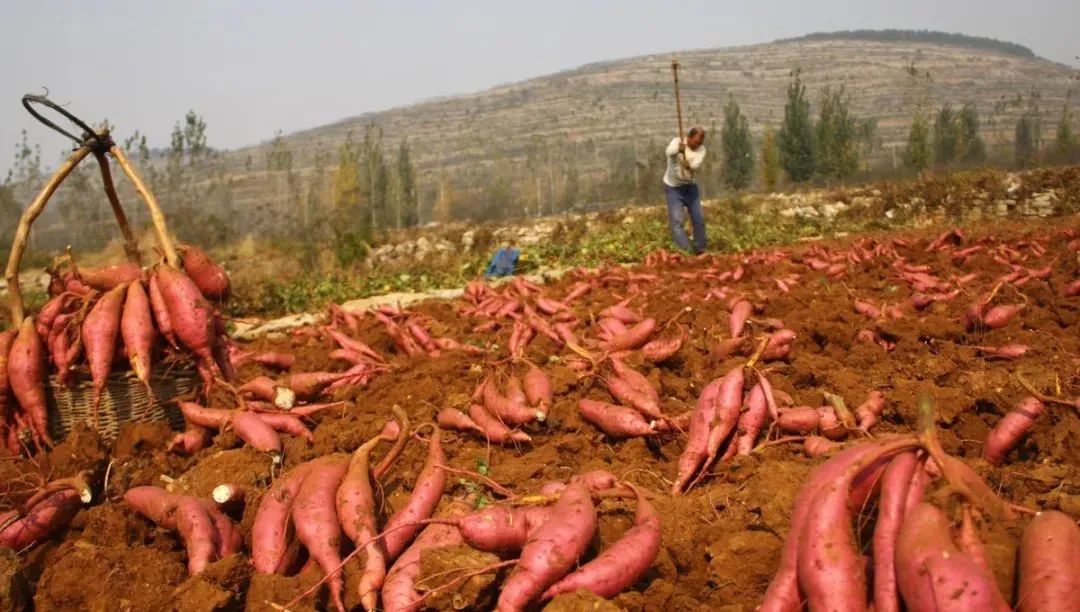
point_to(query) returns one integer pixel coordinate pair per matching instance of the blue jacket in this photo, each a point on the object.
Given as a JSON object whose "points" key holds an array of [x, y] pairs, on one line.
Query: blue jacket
{"points": [[503, 262]]}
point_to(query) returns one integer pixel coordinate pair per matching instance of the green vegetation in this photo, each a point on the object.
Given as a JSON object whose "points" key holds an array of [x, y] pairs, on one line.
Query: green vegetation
{"points": [[918, 152], [921, 36], [1065, 141], [1025, 146], [797, 133], [738, 148], [837, 155], [770, 160]]}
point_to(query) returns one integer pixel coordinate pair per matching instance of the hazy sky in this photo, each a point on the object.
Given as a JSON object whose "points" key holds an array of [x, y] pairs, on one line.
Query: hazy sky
{"points": [[252, 67]]}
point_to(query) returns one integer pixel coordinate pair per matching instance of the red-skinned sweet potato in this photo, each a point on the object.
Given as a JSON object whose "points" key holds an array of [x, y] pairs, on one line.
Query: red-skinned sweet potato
{"points": [[137, 331], [26, 375], [552, 549], [622, 563], [1049, 572], [209, 277], [315, 516], [429, 488]]}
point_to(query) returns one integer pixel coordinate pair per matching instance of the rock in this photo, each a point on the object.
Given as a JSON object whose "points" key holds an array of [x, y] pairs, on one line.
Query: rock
{"points": [[14, 589]]}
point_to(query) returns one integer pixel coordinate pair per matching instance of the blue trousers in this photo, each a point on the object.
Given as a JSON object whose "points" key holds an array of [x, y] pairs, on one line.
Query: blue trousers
{"points": [[682, 200]]}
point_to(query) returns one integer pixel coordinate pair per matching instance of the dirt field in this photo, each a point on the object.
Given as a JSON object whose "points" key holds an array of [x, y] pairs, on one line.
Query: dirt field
{"points": [[722, 541]]}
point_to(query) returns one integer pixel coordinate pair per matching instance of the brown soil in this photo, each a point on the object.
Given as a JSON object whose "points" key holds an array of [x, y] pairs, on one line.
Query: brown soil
{"points": [[722, 541]]}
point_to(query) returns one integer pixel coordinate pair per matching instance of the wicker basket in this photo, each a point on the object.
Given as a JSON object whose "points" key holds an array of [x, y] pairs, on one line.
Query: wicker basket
{"points": [[125, 400]]}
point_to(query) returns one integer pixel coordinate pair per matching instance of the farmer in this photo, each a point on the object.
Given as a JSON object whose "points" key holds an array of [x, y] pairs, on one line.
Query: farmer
{"points": [[681, 191], [504, 260]]}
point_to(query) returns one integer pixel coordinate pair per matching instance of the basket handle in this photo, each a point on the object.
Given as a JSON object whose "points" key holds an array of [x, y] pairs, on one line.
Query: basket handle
{"points": [[18, 245], [99, 143]]}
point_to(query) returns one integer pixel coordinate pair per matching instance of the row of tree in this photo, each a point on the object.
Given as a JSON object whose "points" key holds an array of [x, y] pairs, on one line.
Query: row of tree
{"points": [[350, 194]]}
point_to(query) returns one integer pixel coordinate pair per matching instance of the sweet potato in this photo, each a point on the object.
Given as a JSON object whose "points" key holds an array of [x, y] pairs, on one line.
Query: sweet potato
{"points": [[552, 549], [356, 511], [257, 433], [728, 406], [1008, 351], [500, 528], [783, 592], [399, 590], [631, 338], [308, 385], [800, 420], [161, 311], [538, 391], [868, 413], [629, 396], [229, 540], [7, 338], [193, 439], [48, 313], [1007, 434], [695, 453], [452, 418], [275, 360], [41, 521], [665, 347], [287, 423], [137, 331], [831, 572], [426, 494], [100, 330], [493, 429], [621, 564], [214, 418], [894, 488], [649, 402], [752, 420], [270, 529], [26, 375], [228, 493], [110, 277], [1049, 572], [615, 421], [197, 529], [961, 584], [264, 388], [1000, 316], [923, 534], [209, 277], [190, 316], [505, 409], [316, 520], [740, 312]]}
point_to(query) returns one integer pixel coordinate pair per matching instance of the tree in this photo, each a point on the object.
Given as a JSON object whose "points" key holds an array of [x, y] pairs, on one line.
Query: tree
{"points": [[796, 133], [917, 154], [1065, 143], [408, 205], [1024, 144], [770, 159], [444, 204], [738, 164], [345, 181], [836, 153], [973, 149], [374, 178], [946, 136], [195, 137]]}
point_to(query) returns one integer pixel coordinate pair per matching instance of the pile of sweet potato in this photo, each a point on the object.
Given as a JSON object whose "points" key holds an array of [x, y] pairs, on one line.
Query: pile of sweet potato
{"points": [[99, 318]]}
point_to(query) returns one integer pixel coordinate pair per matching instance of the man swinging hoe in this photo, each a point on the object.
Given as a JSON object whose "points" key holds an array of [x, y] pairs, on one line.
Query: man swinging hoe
{"points": [[684, 157]]}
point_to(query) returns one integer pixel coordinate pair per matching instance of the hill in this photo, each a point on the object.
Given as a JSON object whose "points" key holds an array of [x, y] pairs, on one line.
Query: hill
{"points": [[591, 135]]}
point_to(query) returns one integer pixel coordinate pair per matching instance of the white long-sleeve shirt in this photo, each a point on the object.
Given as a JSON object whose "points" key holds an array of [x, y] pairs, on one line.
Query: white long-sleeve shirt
{"points": [[676, 175]]}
